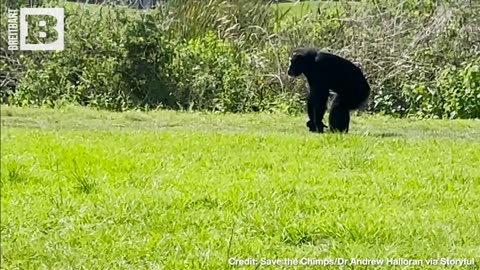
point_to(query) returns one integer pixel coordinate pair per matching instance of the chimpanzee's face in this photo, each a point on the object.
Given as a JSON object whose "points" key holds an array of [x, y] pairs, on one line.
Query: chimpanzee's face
{"points": [[297, 64]]}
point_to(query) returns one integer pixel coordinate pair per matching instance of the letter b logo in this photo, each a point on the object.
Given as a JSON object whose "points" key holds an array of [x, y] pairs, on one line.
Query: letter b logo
{"points": [[43, 29]]}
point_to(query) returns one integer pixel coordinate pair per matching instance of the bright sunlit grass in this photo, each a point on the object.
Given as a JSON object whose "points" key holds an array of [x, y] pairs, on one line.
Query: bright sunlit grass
{"points": [[86, 189]]}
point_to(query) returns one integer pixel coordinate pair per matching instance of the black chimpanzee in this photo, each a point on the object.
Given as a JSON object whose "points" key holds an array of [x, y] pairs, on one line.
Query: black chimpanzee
{"points": [[324, 72]]}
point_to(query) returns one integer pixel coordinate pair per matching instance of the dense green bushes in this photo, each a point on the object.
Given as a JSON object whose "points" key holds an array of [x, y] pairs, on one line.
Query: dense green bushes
{"points": [[421, 59]]}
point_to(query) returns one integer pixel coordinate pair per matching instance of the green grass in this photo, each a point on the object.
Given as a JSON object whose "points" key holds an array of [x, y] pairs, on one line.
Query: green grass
{"points": [[86, 189], [307, 8], [295, 9], [299, 8]]}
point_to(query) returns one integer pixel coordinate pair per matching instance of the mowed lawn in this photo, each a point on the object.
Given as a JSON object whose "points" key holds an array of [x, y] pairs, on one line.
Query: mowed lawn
{"points": [[86, 189]]}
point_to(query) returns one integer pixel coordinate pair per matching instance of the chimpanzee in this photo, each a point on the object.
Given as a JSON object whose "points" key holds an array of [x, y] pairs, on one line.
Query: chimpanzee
{"points": [[325, 72]]}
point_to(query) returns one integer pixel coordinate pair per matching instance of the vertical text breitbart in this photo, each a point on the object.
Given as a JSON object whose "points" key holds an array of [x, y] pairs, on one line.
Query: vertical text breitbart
{"points": [[12, 30]]}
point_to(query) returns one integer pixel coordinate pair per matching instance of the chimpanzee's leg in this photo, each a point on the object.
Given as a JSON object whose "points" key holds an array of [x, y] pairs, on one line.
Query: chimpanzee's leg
{"points": [[339, 118], [316, 107]]}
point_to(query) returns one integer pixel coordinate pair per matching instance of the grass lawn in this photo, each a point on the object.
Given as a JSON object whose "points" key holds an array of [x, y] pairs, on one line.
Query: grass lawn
{"points": [[86, 189], [299, 8], [308, 8]]}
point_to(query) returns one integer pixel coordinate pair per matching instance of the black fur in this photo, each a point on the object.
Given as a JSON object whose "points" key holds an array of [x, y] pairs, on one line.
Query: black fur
{"points": [[324, 72]]}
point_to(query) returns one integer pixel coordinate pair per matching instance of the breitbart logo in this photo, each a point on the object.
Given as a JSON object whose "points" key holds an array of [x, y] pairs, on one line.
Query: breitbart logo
{"points": [[35, 29]]}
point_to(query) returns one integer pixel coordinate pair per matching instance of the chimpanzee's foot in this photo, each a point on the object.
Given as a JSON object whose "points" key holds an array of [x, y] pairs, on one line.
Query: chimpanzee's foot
{"points": [[316, 128]]}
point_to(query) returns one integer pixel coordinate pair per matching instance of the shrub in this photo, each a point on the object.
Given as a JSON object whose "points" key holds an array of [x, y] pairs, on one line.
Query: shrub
{"points": [[86, 72]]}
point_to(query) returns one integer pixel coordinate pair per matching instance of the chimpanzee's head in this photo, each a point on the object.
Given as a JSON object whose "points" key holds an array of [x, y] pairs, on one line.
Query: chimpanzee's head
{"points": [[300, 60]]}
